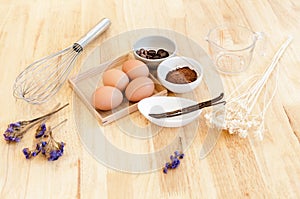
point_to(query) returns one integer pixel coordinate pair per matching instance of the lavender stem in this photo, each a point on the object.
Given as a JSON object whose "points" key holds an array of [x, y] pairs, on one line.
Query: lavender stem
{"points": [[48, 114]]}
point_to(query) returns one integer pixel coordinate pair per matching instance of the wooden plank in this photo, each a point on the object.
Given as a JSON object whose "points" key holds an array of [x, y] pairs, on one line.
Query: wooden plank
{"points": [[236, 168]]}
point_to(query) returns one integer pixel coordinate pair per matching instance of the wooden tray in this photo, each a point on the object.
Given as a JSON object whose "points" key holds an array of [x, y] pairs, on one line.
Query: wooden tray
{"points": [[85, 84]]}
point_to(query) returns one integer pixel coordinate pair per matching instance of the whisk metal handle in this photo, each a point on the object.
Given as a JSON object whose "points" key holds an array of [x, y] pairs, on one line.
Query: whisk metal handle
{"points": [[94, 32]]}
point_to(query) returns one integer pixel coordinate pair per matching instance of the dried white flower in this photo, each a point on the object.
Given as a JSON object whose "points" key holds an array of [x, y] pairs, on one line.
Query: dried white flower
{"points": [[237, 118]]}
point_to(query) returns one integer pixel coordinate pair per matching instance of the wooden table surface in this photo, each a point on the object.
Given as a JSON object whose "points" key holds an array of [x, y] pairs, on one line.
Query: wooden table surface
{"points": [[236, 167]]}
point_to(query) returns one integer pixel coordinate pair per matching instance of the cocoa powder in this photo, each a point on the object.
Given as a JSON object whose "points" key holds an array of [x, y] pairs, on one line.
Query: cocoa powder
{"points": [[182, 75]]}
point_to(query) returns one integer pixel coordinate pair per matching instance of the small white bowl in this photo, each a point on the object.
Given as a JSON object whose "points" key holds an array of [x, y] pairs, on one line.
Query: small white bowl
{"points": [[160, 104], [177, 62], [154, 42]]}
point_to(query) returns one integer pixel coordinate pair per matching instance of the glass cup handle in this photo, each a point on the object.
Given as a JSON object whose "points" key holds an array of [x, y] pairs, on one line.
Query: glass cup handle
{"points": [[261, 38]]}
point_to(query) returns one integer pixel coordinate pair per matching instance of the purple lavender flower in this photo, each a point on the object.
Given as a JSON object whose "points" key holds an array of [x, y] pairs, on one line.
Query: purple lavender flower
{"points": [[32, 153], [168, 165], [44, 144], [181, 156], [165, 170], [56, 152], [176, 153], [175, 162], [16, 124], [171, 157], [40, 131], [27, 153], [49, 147], [54, 155], [15, 131]]}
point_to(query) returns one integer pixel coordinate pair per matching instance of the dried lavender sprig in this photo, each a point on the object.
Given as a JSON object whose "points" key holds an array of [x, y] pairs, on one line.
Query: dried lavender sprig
{"points": [[53, 149], [48, 114], [32, 153], [16, 131], [49, 147], [175, 162]]}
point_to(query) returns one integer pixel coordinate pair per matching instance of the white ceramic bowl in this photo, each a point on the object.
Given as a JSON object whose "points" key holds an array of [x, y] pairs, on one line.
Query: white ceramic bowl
{"points": [[160, 104], [154, 42], [177, 62]]}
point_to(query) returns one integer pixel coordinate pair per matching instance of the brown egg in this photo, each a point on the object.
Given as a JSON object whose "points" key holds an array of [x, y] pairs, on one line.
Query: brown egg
{"points": [[107, 98], [135, 68], [139, 88], [115, 78]]}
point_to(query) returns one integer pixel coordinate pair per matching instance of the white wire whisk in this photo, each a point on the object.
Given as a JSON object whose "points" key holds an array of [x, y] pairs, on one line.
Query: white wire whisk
{"points": [[43, 78]]}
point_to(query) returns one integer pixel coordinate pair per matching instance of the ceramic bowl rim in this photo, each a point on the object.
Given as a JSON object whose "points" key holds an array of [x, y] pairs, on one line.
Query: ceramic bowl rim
{"points": [[154, 36], [172, 86]]}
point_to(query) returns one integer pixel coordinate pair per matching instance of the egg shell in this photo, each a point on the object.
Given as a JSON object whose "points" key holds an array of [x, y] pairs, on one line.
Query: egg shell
{"points": [[107, 97], [135, 68], [139, 88], [115, 78]]}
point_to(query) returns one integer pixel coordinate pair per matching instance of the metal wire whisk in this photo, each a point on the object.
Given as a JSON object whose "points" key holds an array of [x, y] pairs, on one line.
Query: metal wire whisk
{"points": [[43, 78]]}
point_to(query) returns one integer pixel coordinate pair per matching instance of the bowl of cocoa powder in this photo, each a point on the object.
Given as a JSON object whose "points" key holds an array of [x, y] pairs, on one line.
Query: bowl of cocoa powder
{"points": [[180, 74]]}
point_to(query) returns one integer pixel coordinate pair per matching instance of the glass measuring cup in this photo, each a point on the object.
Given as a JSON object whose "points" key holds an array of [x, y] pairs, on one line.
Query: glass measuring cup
{"points": [[231, 47]]}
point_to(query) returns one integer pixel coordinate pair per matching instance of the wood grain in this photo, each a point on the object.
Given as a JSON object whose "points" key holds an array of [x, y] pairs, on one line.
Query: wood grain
{"points": [[236, 168]]}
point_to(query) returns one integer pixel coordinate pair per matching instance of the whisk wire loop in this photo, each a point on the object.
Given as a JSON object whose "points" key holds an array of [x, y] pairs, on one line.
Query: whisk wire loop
{"points": [[43, 78], [59, 74]]}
